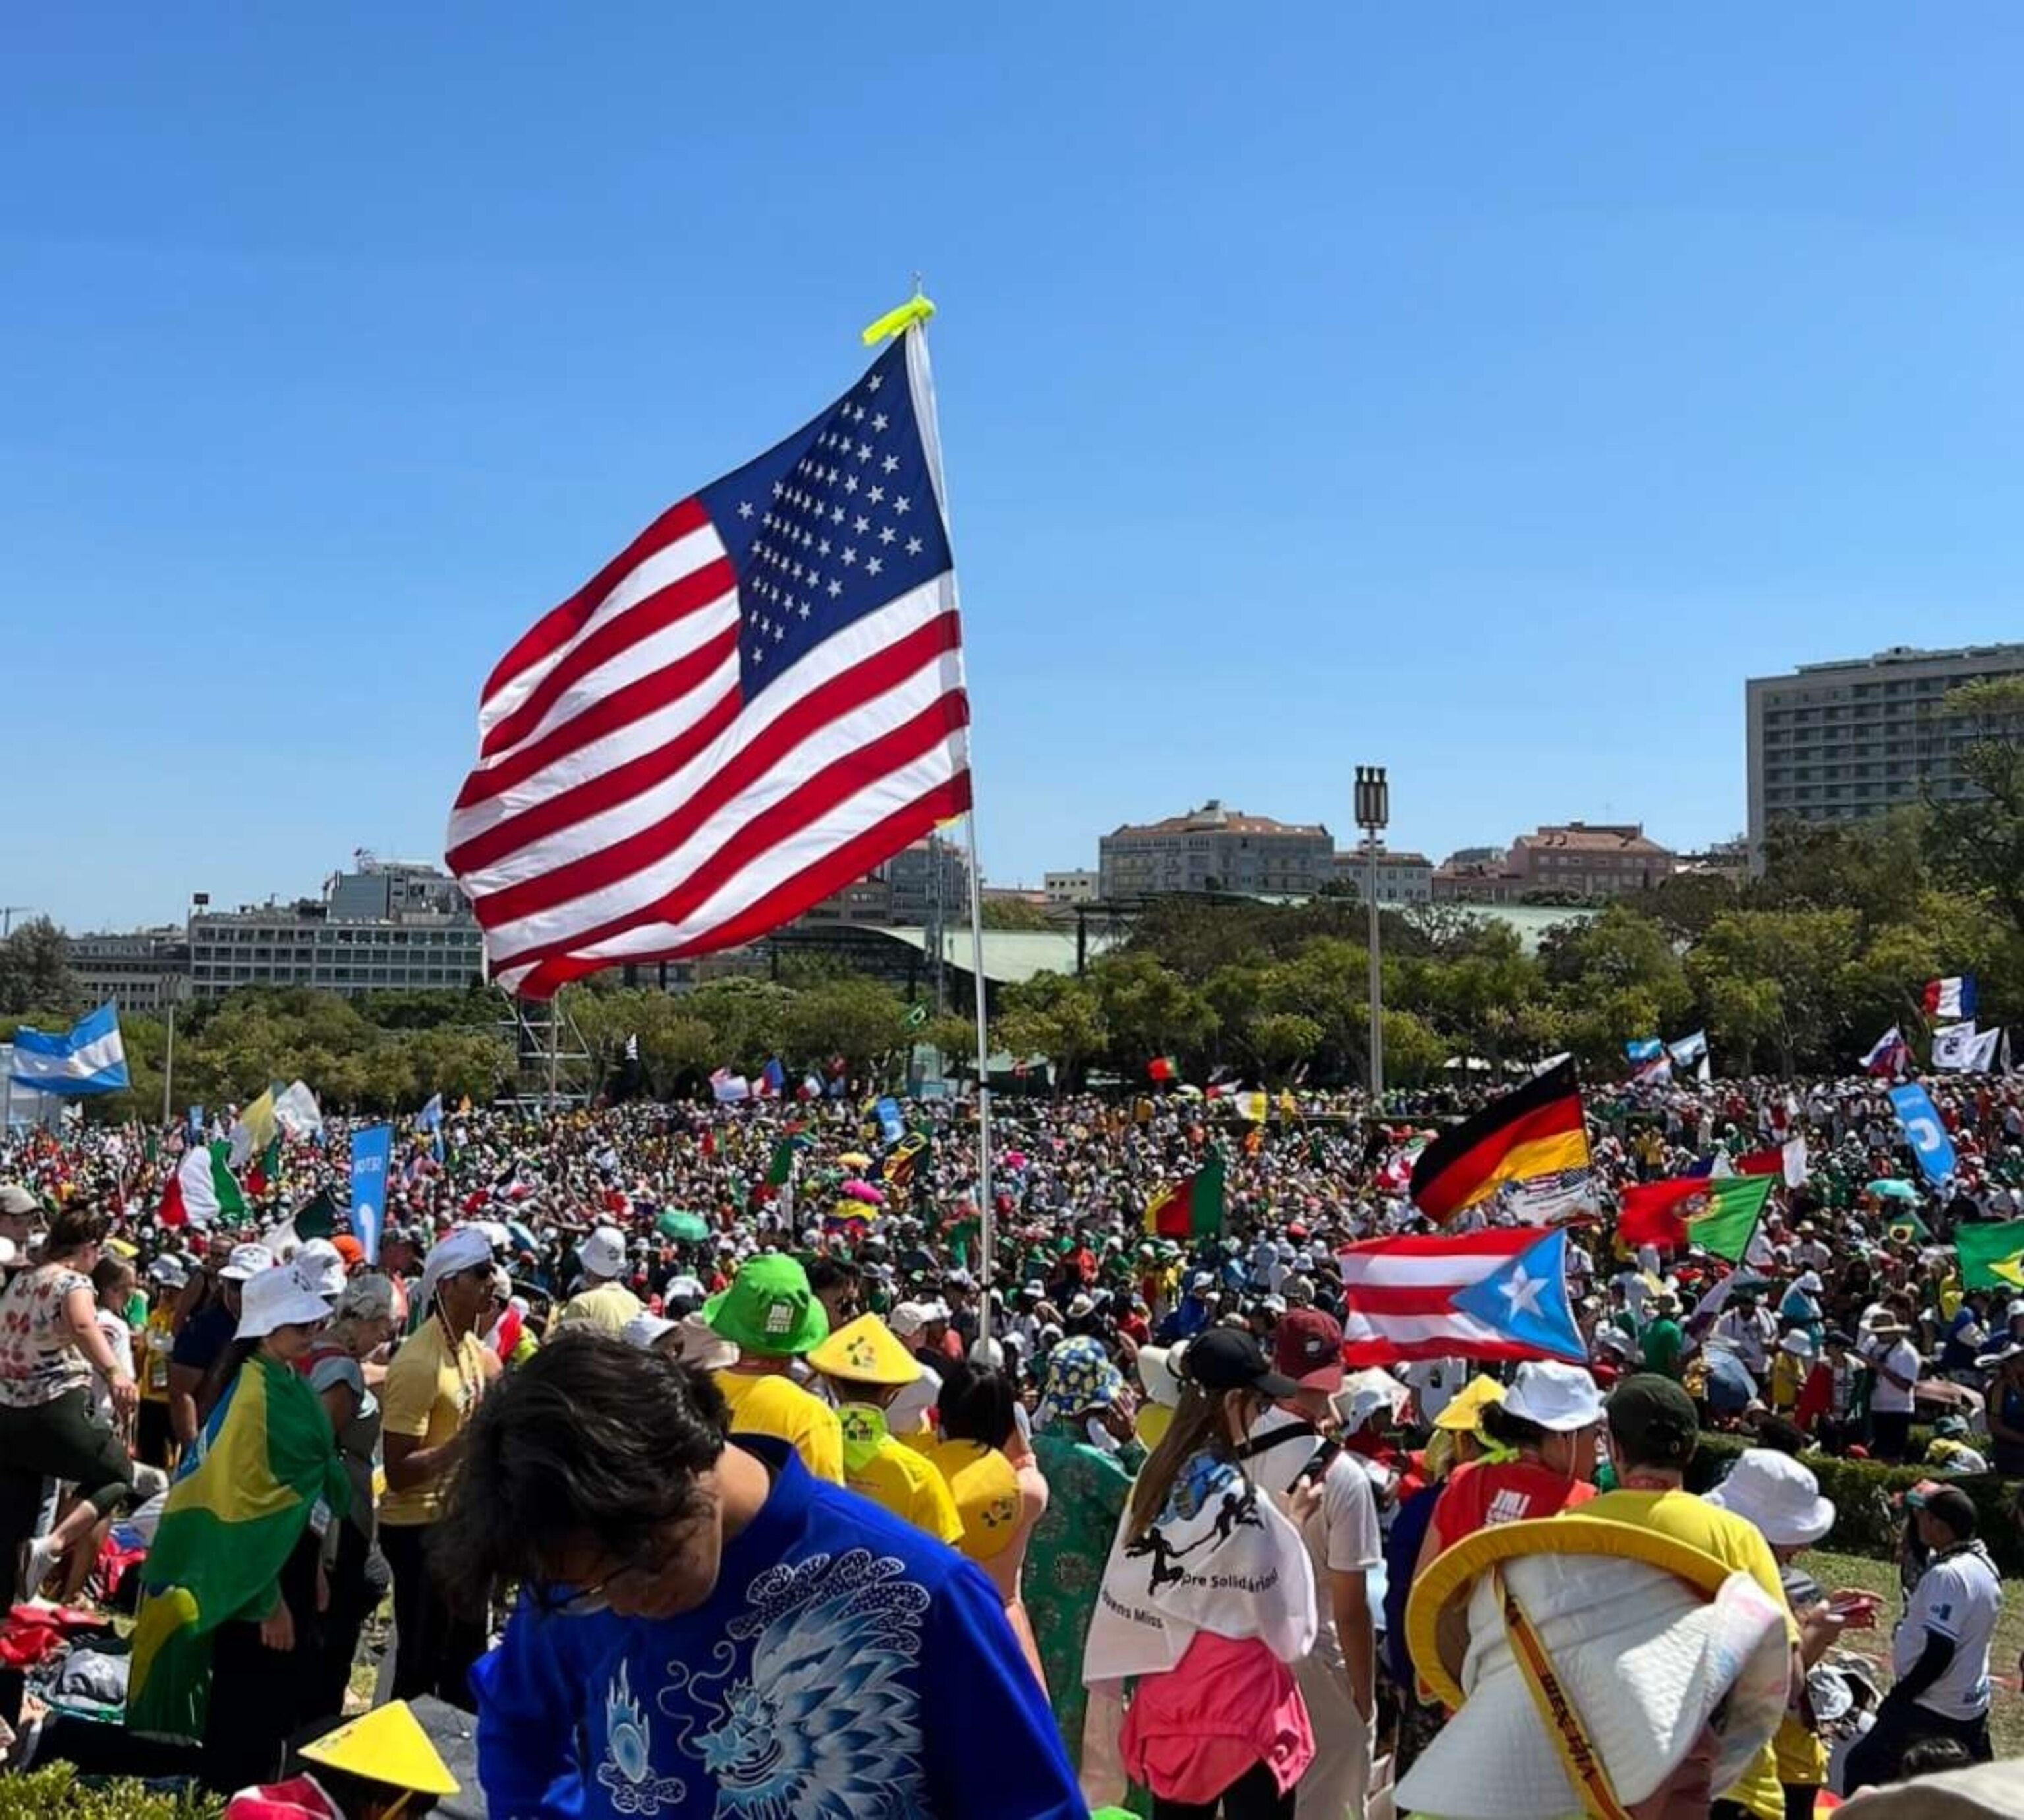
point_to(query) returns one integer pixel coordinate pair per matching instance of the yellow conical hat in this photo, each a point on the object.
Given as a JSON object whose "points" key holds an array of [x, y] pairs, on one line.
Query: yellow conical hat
{"points": [[387, 1746], [865, 1352]]}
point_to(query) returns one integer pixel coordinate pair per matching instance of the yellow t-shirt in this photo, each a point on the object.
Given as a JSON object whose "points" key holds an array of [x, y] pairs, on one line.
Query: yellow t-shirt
{"points": [[1739, 1546], [430, 1390], [897, 1479], [607, 1308], [772, 1403]]}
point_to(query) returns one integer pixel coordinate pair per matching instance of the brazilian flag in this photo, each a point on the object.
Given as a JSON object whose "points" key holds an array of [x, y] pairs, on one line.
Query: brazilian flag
{"points": [[1992, 1254], [240, 1503]]}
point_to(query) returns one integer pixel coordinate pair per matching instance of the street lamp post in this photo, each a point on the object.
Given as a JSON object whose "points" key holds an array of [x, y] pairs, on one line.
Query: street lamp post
{"points": [[1374, 810], [172, 986]]}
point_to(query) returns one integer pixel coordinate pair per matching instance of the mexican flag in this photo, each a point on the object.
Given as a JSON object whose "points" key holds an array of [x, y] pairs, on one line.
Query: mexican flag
{"points": [[203, 1189], [1716, 1213], [1992, 1254], [1191, 1208]]}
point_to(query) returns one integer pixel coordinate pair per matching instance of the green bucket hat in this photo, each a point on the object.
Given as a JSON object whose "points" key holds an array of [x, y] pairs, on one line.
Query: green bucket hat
{"points": [[769, 1308]]}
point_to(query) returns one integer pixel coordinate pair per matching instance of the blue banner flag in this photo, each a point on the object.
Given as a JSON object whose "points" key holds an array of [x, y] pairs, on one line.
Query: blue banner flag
{"points": [[196, 1125], [892, 1127], [89, 1057], [370, 1152], [1923, 1131]]}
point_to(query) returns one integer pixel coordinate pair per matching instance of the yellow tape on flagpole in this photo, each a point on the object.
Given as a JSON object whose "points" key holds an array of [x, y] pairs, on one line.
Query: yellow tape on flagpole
{"points": [[916, 309]]}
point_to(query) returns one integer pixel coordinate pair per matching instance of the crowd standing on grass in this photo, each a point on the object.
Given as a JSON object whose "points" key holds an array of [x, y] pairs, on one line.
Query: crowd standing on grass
{"points": [[733, 1459]]}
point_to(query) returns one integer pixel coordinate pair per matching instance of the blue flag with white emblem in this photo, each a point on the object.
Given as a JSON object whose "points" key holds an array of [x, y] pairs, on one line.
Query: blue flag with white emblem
{"points": [[1923, 1131]]}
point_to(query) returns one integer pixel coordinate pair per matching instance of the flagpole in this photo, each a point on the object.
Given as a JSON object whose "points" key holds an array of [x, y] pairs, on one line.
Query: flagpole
{"points": [[910, 321]]}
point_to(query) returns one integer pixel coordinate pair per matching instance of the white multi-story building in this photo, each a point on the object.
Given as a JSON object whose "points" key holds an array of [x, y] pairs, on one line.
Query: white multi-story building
{"points": [[1402, 878], [1215, 848], [388, 926], [1854, 738]]}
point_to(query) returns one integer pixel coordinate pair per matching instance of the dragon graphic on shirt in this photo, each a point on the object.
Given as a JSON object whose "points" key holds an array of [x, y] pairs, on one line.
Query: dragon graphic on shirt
{"points": [[825, 1719]]}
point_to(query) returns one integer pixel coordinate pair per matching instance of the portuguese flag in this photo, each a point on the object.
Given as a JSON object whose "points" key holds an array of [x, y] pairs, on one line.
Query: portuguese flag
{"points": [[1535, 1131], [1191, 1208], [1992, 1254], [1716, 1214], [1162, 1068]]}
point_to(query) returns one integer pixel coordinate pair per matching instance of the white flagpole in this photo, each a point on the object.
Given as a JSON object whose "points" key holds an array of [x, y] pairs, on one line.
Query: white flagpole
{"points": [[921, 382]]}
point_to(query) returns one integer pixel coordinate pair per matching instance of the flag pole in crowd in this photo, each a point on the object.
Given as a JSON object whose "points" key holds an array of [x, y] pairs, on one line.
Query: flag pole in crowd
{"points": [[910, 321]]}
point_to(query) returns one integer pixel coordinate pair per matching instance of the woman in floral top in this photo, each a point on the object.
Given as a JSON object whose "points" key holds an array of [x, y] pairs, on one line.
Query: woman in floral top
{"points": [[50, 1342], [1088, 1483]]}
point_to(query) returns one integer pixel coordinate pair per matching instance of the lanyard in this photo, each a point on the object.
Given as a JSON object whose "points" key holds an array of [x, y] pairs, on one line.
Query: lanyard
{"points": [[1577, 1754]]}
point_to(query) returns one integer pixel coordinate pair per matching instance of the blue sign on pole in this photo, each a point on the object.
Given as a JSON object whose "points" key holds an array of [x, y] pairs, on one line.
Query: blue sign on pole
{"points": [[371, 1151], [197, 1125], [1923, 1131], [892, 1127]]}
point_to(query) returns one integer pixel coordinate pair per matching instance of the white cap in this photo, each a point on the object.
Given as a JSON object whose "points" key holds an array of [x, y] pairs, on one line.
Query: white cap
{"points": [[165, 1270], [644, 1329], [604, 1252], [246, 1262], [1555, 1396], [909, 1317], [276, 1298], [1799, 1343], [1777, 1494]]}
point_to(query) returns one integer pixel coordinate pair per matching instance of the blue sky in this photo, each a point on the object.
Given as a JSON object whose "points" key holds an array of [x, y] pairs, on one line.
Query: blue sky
{"points": [[1482, 392]]}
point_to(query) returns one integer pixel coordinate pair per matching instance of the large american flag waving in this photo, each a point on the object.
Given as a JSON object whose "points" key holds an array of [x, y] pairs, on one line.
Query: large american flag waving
{"points": [[759, 702]]}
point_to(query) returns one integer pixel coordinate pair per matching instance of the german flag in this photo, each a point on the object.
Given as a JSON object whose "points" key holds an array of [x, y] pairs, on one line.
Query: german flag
{"points": [[1535, 1131]]}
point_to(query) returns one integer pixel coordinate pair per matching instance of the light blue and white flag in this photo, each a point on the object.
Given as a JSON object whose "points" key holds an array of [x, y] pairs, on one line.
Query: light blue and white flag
{"points": [[90, 1059], [1923, 1132]]}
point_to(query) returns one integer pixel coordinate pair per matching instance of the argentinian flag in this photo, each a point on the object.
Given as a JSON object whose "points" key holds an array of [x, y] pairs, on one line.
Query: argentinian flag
{"points": [[90, 1059]]}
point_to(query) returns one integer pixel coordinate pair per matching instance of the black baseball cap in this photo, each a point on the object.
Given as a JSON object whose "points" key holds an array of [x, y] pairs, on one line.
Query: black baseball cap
{"points": [[1652, 1420], [1230, 1359], [1949, 1503]]}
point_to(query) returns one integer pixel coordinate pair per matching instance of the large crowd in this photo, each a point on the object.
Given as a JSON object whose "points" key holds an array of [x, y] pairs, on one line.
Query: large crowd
{"points": [[733, 1459]]}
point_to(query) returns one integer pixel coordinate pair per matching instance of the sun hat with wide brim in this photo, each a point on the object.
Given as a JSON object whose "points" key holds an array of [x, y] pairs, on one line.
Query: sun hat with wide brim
{"points": [[986, 1490], [1777, 1495], [864, 1351], [276, 1298], [1463, 1411], [1986, 1791], [1644, 1638]]}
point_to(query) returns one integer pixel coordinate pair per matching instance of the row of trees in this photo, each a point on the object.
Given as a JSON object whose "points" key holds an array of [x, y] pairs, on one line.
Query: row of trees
{"points": [[1797, 971]]}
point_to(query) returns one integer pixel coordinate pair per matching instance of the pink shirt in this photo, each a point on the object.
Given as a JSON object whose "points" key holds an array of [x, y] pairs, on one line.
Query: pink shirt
{"points": [[1229, 1703]]}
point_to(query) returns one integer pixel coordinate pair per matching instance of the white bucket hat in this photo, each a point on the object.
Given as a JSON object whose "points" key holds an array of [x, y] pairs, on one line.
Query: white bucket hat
{"points": [[276, 1298], [1987, 1791], [246, 1262], [1645, 1640], [703, 1347], [644, 1329], [1159, 1371], [1557, 1397], [319, 1269], [1776, 1494], [603, 1253]]}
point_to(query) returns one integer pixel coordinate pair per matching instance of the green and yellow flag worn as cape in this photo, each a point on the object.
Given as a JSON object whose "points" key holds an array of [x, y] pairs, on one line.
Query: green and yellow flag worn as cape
{"points": [[233, 1518]]}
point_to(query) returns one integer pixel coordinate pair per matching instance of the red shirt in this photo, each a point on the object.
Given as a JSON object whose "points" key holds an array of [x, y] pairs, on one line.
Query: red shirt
{"points": [[1479, 1494]]}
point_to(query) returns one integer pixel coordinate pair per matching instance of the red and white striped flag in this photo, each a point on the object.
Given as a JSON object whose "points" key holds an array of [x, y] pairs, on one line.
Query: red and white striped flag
{"points": [[758, 702], [1498, 1293]]}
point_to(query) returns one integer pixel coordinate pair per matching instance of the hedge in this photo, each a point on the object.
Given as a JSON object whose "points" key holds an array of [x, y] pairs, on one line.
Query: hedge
{"points": [[1868, 1522], [59, 1793]]}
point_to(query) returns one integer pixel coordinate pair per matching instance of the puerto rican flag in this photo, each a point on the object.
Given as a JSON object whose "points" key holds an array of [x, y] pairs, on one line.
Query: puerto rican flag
{"points": [[1951, 998], [1500, 1293]]}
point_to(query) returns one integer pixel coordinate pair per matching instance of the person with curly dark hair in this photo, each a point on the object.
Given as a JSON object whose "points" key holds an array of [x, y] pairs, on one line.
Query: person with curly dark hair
{"points": [[702, 1623]]}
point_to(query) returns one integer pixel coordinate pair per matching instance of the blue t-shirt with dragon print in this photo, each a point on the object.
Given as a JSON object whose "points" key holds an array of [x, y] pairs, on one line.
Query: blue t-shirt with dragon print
{"points": [[846, 1663]]}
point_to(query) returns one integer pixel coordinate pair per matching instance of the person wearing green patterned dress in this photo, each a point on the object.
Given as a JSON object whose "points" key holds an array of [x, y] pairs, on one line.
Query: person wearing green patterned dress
{"points": [[1088, 1485]]}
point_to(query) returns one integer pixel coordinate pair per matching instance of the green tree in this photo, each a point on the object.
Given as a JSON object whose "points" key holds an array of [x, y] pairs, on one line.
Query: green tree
{"points": [[1979, 840], [1149, 1009], [1055, 1015], [1015, 913], [860, 1019], [35, 971], [1791, 968]]}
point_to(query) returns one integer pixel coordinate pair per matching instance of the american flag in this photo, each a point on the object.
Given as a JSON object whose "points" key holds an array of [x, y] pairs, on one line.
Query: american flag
{"points": [[758, 702]]}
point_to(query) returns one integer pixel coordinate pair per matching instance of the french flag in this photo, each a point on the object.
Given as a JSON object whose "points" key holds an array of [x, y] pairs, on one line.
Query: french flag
{"points": [[1951, 998]]}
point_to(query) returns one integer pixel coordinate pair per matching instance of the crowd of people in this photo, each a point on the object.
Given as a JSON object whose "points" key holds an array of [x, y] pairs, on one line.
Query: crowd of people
{"points": [[739, 1460]]}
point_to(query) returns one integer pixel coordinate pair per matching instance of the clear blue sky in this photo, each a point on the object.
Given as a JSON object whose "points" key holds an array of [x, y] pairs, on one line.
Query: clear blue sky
{"points": [[1483, 390]]}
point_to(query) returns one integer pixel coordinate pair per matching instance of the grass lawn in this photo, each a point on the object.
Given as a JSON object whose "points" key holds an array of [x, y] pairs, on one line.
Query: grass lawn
{"points": [[2006, 1719]]}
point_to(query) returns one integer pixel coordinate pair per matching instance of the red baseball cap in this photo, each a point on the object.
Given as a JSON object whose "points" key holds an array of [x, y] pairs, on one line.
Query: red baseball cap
{"points": [[1307, 1347]]}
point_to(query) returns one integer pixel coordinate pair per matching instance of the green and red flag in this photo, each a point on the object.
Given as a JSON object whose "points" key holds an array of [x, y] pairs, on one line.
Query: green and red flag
{"points": [[1717, 1214], [203, 1190], [1992, 1254], [1191, 1208], [1163, 1068]]}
